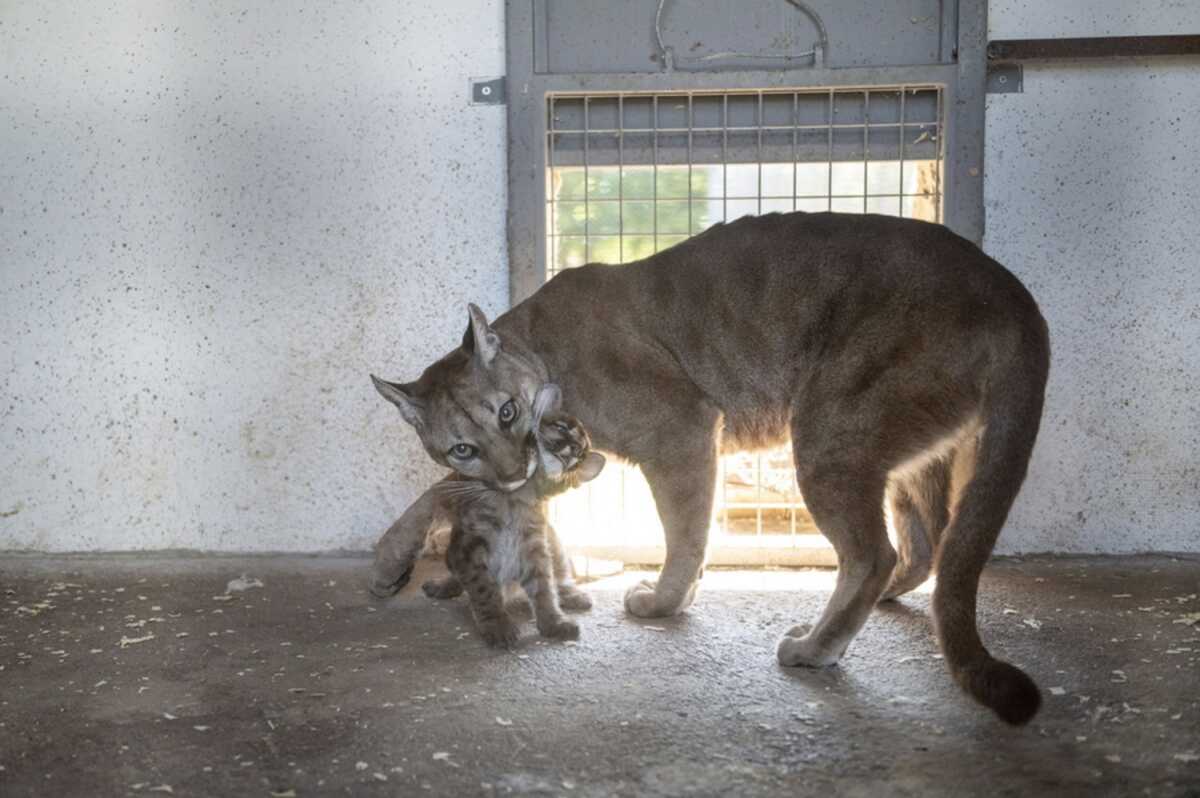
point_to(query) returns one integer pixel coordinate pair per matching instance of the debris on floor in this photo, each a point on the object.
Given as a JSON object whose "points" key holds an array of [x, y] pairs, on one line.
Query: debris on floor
{"points": [[295, 682], [241, 584]]}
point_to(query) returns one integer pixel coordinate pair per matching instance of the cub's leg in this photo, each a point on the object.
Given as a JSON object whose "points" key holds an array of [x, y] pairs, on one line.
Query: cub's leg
{"points": [[570, 597], [467, 558], [397, 550], [682, 477], [919, 502], [446, 587], [539, 584]]}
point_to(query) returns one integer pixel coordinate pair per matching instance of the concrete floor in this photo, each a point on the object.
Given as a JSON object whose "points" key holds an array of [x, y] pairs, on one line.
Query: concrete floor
{"points": [[141, 677]]}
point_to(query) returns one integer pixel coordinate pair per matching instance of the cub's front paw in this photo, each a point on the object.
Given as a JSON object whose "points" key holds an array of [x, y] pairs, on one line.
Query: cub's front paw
{"points": [[560, 629], [499, 633], [518, 605], [573, 599]]}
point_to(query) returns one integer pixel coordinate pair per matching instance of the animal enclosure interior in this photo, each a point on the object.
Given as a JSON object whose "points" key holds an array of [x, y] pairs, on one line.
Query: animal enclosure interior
{"points": [[217, 221]]}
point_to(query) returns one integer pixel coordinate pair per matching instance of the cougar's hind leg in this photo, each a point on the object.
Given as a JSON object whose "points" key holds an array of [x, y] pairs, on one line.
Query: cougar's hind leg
{"points": [[919, 503], [846, 501]]}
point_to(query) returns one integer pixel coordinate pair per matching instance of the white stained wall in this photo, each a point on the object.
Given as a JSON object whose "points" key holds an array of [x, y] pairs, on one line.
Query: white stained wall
{"points": [[215, 220], [1093, 197]]}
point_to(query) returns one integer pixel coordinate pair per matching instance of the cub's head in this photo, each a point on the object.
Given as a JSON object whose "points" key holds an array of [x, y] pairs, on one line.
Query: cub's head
{"points": [[563, 445], [473, 409]]}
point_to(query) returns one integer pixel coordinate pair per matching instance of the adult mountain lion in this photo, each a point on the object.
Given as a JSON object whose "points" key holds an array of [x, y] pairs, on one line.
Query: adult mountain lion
{"points": [[905, 365]]}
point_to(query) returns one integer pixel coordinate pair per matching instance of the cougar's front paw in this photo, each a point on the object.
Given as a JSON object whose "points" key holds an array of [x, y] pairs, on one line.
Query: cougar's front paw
{"points": [[560, 629], [645, 601], [639, 600], [499, 633], [798, 649], [573, 599]]}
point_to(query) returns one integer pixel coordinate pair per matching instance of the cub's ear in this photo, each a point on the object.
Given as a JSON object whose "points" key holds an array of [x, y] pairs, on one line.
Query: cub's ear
{"points": [[411, 408], [480, 339], [548, 400], [590, 467]]}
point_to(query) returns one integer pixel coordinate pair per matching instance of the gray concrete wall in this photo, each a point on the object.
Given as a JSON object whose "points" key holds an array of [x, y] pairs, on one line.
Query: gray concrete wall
{"points": [[215, 219], [1039, 19], [1092, 195]]}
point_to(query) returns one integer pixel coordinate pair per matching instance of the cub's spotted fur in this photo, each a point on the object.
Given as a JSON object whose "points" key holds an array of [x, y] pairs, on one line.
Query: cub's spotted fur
{"points": [[499, 537]]}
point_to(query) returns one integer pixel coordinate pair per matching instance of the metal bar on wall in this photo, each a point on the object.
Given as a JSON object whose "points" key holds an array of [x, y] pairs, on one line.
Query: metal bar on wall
{"points": [[829, 157], [551, 248], [1069, 49], [621, 178], [903, 134], [654, 171], [866, 147], [587, 211]]}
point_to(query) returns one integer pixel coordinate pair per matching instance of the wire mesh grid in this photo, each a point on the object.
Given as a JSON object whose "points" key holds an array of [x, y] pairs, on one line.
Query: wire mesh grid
{"points": [[628, 175], [631, 174]]}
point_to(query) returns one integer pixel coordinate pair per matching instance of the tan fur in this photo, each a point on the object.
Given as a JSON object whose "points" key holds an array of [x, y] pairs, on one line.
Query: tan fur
{"points": [[869, 341]]}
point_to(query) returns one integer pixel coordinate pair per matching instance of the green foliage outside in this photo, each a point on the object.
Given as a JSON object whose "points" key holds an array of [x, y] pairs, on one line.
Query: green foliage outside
{"points": [[623, 210], [616, 214]]}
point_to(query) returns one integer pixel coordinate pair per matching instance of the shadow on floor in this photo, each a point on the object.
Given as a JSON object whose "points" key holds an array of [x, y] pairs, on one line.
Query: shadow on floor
{"points": [[150, 676]]}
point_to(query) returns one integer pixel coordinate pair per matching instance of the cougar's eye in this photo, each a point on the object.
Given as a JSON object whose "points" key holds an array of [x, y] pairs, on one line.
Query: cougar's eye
{"points": [[463, 451], [509, 412]]}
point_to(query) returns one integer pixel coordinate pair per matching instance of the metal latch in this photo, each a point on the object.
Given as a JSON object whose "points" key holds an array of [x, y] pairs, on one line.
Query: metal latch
{"points": [[488, 91], [1004, 79]]}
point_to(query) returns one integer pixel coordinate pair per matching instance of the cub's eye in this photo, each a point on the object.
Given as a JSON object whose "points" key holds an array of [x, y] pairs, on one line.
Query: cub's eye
{"points": [[463, 451], [509, 412]]}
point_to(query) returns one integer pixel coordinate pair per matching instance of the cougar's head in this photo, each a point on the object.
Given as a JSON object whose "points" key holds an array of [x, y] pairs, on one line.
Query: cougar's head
{"points": [[474, 408]]}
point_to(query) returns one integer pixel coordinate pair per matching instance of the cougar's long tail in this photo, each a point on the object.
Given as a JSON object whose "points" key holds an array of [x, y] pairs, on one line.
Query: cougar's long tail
{"points": [[1012, 410]]}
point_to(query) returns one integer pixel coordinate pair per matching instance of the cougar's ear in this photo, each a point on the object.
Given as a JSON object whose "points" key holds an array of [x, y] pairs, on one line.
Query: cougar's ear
{"points": [[480, 339], [590, 468], [402, 396]]}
